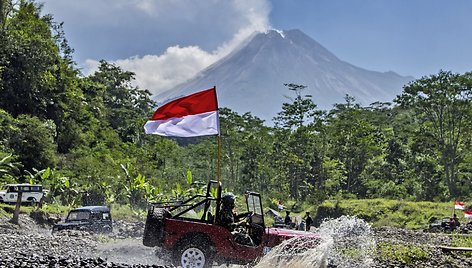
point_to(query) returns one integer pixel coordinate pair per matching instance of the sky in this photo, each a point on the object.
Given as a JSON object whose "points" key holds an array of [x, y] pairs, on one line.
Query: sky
{"points": [[166, 42]]}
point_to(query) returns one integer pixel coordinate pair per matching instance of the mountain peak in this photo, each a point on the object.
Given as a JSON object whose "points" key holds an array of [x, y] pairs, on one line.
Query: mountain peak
{"points": [[274, 33]]}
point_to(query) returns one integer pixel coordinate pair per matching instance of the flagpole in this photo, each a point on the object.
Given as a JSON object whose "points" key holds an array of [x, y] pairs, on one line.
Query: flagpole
{"points": [[218, 140], [219, 157]]}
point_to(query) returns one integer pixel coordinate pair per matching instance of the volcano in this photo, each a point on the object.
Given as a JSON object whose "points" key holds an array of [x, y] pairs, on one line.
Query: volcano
{"points": [[252, 77]]}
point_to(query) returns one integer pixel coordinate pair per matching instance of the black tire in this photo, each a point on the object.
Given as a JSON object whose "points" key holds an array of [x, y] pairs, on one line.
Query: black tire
{"points": [[154, 227], [31, 201], [194, 252], [107, 229]]}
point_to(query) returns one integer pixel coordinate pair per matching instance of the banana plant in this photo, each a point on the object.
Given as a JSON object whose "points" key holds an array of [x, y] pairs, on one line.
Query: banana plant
{"points": [[139, 191], [195, 187], [38, 176], [61, 189], [177, 192], [8, 168], [152, 193]]}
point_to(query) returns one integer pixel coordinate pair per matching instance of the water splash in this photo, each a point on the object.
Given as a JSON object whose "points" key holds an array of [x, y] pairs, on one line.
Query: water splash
{"points": [[345, 242]]}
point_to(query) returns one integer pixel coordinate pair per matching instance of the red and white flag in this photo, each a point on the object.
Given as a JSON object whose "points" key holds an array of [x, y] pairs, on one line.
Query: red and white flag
{"points": [[189, 116], [459, 205], [468, 214]]}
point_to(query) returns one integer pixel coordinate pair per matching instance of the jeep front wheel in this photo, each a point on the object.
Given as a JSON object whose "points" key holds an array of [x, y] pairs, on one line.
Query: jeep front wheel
{"points": [[194, 254]]}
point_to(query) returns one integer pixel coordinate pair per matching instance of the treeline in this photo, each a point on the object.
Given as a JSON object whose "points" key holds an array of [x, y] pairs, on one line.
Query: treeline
{"points": [[76, 134]]}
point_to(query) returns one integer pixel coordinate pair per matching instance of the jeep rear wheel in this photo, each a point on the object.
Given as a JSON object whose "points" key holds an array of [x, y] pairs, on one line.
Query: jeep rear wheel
{"points": [[153, 229], [195, 254]]}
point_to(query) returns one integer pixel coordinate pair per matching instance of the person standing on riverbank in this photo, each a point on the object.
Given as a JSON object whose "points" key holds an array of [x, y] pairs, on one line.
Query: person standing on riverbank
{"points": [[288, 220], [308, 221]]}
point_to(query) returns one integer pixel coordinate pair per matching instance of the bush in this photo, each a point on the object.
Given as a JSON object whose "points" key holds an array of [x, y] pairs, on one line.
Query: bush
{"points": [[404, 253], [126, 213]]}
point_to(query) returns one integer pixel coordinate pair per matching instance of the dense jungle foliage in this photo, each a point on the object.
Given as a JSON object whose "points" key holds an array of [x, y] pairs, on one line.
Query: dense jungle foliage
{"points": [[76, 133]]}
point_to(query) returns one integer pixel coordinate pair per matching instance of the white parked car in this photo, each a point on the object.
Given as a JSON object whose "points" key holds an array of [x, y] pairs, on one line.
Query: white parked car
{"points": [[32, 193]]}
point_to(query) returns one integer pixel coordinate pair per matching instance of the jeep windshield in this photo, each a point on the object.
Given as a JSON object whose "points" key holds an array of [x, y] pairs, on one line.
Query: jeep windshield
{"points": [[254, 205], [78, 215]]}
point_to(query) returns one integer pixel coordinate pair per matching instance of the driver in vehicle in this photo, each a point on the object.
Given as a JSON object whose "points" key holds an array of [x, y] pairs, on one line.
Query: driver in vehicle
{"points": [[228, 219]]}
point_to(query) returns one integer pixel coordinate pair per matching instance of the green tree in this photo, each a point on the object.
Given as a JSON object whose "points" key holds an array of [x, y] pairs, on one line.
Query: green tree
{"points": [[33, 141], [37, 76], [254, 155], [298, 151], [443, 104], [352, 141], [126, 107], [245, 149], [29, 139], [387, 173], [301, 111], [232, 129], [29, 59]]}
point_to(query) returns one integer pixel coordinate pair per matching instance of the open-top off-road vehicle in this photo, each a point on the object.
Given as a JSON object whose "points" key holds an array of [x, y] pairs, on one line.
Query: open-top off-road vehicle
{"points": [[199, 241]]}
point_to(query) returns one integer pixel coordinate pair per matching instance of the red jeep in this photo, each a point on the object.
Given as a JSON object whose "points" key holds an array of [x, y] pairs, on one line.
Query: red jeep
{"points": [[199, 241]]}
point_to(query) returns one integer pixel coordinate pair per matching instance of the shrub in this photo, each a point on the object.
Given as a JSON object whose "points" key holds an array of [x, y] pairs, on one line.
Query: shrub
{"points": [[404, 253]]}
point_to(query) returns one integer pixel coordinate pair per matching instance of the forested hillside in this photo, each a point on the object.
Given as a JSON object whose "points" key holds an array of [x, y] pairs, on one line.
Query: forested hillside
{"points": [[76, 133]]}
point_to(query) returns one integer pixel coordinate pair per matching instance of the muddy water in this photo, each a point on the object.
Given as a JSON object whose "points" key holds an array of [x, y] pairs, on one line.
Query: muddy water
{"points": [[345, 242]]}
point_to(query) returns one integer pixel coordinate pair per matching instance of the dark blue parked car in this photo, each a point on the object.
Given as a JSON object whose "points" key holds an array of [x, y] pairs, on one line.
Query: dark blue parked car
{"points": [[96, 219]]}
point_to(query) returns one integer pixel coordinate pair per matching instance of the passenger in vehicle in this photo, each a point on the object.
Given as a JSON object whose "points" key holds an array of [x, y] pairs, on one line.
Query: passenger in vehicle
{"points": [[228, 219]]}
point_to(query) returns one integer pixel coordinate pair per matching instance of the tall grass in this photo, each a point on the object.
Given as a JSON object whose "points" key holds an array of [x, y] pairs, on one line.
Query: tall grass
{"points": [[395, 213]]}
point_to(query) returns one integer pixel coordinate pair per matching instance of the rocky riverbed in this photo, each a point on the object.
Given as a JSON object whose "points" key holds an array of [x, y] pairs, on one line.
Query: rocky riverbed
{"points": [[33, 245], [428, 243]]}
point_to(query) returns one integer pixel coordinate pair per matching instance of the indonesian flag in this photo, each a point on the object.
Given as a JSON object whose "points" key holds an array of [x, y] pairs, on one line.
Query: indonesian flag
{"points": [[189, 116], [468, 214], [459, 205]]}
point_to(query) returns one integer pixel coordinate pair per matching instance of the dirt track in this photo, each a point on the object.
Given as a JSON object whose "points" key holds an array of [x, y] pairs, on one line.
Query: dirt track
{"points": [[31, 245]]}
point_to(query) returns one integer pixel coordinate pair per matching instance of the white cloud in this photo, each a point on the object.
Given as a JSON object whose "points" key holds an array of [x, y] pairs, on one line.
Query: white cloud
{"points": [[177, 64], [158, 72]]}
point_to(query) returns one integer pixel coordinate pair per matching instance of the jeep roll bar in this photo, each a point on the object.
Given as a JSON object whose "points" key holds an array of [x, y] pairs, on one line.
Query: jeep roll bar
{"points": [[190, 204]]}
